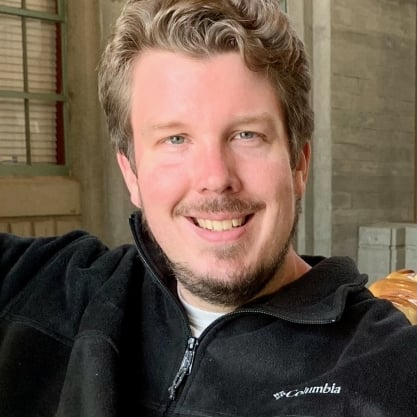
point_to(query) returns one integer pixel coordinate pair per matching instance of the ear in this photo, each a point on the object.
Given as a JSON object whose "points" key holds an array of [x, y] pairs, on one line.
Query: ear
{"points": [[130, 178], [301, 170]]}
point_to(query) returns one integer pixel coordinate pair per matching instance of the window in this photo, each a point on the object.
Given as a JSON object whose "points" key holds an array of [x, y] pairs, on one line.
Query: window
{"points": [[33, 104]]}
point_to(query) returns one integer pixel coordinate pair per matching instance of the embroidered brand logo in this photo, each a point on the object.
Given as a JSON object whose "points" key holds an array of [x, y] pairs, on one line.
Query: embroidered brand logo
{"points": [[320, 389]]}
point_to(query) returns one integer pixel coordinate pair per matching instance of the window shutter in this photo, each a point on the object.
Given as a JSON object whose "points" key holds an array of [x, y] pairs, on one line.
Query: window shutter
{"points": [[30, 121]]}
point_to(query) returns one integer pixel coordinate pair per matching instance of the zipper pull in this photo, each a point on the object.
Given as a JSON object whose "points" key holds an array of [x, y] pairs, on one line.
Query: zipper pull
{"points": [[185, 368]]}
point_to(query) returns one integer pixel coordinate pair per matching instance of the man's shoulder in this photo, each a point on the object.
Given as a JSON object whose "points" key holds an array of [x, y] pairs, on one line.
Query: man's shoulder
{"points": [[14, 248], [76, 248], [49, 282]]}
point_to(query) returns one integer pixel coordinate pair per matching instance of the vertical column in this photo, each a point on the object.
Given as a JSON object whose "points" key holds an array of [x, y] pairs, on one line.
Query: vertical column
{"points": [[296, 12], [85, 139], [415, 133], [322, 141], [117, 206]]}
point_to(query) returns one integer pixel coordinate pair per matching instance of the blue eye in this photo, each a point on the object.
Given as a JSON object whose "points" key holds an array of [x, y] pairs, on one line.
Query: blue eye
{"points": [[247, 135], [176, 140]]}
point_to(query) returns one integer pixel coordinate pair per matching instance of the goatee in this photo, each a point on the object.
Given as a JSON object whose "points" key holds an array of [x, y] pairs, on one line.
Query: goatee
{"points": [[243, 286]]}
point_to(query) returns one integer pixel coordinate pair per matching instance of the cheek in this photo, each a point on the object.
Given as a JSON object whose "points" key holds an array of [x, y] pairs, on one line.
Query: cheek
{"points": [[160, 187], [273, 180]]}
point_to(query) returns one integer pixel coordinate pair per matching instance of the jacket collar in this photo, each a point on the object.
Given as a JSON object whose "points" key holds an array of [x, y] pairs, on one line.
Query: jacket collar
{"points": [[320, 295], [149, 251], [317, 297]]}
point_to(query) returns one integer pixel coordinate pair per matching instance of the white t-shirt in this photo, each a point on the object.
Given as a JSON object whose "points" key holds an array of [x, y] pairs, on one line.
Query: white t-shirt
{"points": [[199, 319]]}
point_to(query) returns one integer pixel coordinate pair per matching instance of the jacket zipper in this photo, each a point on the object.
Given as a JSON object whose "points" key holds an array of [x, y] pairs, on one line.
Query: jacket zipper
{"points": [[281, 317], [185, 368], [192, 343]]}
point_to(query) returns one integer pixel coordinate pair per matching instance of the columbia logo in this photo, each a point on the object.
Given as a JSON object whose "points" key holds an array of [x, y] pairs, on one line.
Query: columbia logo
{"points": [[321, 389]]}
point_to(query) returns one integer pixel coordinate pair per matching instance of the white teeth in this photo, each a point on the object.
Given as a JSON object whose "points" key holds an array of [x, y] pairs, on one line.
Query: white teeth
{"points": [[220, 225], [237, 222]]}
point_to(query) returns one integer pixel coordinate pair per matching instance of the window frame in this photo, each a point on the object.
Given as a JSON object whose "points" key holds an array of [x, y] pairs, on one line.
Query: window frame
{"points": [[39, 169]]}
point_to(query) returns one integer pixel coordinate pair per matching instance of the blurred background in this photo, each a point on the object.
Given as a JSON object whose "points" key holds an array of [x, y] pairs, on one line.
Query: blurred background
{"points": [[58, 171]]}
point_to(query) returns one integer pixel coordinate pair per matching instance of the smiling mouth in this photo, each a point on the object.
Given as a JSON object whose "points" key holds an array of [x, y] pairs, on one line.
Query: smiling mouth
{"points": [[220, 225]]}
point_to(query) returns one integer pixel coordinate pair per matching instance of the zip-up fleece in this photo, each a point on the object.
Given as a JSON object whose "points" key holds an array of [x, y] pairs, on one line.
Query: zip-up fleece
{"points": [[90, 332]]}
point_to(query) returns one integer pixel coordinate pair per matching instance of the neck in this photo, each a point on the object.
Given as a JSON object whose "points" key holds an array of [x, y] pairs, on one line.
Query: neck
{"points": [[293, 268], [201, 304]]}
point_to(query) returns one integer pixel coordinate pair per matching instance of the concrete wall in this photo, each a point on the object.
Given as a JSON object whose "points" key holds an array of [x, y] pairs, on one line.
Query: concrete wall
{"points": [[301, 19], [364, 151], [117, 206], [372, 116], [85, 130], [105, 204]]}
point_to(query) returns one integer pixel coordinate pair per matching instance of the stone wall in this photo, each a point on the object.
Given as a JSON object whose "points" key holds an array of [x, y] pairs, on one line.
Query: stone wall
{"points": [[373, 116]]}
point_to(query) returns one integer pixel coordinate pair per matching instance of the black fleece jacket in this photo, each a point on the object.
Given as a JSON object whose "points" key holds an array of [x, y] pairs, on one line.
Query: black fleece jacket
{"points": [[90, 332]]}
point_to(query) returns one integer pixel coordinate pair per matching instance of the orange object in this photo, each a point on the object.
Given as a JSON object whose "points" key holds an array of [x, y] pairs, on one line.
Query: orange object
{"points": [[399, 287]]}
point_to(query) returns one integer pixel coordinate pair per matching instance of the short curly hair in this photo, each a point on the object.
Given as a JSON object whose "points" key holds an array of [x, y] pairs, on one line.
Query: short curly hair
{"points": [[258, 30]]}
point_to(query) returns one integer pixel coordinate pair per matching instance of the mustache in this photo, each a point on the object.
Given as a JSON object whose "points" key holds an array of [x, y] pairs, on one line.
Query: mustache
{"points": [[220, 205]]}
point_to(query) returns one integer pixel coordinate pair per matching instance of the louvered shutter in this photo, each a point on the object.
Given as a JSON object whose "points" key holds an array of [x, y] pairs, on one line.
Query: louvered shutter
{"points": [[30, 121]]}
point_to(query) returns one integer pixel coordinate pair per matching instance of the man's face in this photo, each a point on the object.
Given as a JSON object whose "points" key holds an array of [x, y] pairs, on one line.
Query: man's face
{"points": [[213, 174]]}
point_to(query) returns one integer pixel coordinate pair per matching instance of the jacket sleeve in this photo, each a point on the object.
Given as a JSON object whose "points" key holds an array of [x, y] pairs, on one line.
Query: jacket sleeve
{"points": [[23, 260]]}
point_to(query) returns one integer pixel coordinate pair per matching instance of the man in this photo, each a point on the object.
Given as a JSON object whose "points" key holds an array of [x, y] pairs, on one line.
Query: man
{"points": [[208, 108]]}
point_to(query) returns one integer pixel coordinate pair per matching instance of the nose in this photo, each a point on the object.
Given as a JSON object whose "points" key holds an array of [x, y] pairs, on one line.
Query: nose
{"points": [[216, 170]]}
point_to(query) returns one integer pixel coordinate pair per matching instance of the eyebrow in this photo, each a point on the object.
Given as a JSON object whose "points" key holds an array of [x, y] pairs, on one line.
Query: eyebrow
{"points": [[250, 119], [256, 118], [167, 125]]}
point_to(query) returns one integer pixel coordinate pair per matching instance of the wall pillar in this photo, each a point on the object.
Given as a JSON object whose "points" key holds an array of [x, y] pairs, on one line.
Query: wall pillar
{"points": [[322, 141], [117, 206]]}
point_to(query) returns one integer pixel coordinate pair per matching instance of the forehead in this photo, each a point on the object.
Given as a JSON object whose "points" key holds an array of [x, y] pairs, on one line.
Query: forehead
{"points": [[165, 84]]}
